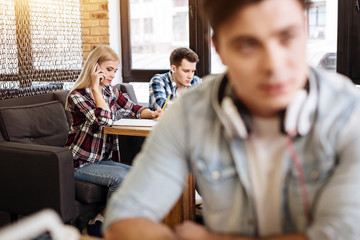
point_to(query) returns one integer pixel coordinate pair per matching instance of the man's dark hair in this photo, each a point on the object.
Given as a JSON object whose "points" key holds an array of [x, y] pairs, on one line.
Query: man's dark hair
{"points": [[179, 54], [219, 11]]}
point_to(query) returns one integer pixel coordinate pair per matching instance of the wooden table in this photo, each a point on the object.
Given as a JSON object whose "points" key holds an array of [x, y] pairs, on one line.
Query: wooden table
{"points": [[185, 206]]}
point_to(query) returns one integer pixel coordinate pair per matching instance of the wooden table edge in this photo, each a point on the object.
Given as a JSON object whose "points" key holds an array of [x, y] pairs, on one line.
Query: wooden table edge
{"points": [[128, 130]]}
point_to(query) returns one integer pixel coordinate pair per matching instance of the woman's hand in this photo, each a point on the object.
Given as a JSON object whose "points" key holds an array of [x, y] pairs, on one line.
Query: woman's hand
{"points": [[97, 76], [148, 114]]}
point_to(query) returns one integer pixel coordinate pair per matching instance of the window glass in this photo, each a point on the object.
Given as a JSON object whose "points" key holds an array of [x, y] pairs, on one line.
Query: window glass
{"points": [[321, 16], [154, 34], [178, 3], [180, 23], [141, 90]]}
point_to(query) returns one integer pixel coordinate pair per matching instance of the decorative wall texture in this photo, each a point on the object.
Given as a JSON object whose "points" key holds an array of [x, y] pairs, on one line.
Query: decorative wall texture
{"points": [[43, 44]]}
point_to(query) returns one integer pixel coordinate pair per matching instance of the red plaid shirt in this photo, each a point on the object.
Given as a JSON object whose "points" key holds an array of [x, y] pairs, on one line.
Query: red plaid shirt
{"points": [[86, 139]]}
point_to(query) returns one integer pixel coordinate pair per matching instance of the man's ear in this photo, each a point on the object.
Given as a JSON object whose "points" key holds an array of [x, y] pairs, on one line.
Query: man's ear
{"points": [[215, 44], [173, 68]]}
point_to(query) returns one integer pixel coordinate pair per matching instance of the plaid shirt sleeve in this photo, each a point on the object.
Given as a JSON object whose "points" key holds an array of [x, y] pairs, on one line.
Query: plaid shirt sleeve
{"points": [[159, 89], [126, 108], [81, 105], [196, 80]]}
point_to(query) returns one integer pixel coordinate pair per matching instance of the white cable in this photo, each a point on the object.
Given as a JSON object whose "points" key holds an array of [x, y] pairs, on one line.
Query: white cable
{"points": [[39, 223]]}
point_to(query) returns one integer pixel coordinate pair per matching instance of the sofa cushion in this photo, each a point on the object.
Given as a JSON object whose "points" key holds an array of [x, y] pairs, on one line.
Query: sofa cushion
{"points": [[21, 101], [62, 96], [43, 123], [87, 192]]}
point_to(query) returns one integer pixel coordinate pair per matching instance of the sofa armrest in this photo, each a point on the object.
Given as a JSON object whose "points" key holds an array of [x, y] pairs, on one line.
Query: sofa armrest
{"points": [[33, 177]]}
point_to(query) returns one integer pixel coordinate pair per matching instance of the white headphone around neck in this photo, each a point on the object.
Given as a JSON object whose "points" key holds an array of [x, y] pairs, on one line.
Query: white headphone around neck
{"points": [[298, 117]]}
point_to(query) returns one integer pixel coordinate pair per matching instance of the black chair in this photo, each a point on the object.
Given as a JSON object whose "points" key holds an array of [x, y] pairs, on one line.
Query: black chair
{"points": [[128, 90]]}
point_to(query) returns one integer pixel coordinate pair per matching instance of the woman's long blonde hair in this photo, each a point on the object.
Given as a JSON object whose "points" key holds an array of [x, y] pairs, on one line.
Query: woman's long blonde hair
{"points": [[97, 56]]}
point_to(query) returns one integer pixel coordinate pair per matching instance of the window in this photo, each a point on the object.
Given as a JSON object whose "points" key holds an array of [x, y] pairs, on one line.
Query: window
{"points": [[148, 26], [178, 3], [135, 27], [181, 24], [153, 35], [329, 47], [322, 31], [317, 21], [39, 42]]}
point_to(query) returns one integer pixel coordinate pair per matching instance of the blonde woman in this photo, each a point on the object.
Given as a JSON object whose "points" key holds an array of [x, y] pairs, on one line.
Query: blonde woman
{"points": [[93, 104]]}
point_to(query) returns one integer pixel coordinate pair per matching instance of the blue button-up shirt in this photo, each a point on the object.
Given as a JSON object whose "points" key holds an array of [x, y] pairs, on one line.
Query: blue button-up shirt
{"points": [[161, 86]]}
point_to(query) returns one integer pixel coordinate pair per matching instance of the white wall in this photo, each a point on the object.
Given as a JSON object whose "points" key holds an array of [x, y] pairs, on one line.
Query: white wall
{"points": [[115, 34]]}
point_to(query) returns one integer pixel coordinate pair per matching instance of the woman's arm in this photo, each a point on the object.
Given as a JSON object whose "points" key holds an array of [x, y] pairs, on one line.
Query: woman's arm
{"points": [[99, 100], [129, 109]]}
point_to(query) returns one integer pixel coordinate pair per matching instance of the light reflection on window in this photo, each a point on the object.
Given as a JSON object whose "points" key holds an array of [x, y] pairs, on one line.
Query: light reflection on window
{"points": [[321, 18], [154, 34]]}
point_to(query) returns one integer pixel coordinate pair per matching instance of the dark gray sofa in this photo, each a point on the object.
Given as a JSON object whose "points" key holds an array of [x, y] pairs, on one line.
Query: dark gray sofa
{"points": [[36, 171]]}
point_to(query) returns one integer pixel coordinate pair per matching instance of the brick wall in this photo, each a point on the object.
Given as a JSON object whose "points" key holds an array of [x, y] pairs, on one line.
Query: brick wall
{"points": [[95, 24]]}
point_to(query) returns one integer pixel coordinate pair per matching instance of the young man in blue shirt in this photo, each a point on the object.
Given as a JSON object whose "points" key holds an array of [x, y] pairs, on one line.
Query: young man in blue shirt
{"points": [[181, 76]]}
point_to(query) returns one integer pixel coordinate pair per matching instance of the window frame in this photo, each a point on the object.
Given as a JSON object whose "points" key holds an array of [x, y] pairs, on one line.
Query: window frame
{"points": [[348, 47]]}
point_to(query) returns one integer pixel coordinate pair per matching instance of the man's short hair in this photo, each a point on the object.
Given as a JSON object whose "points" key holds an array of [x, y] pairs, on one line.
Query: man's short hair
{"points": [[217, 12], [181, 53]]}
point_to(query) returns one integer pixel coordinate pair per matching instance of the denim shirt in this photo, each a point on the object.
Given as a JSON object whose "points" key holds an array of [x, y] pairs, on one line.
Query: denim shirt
{"points": [[202, 144]]}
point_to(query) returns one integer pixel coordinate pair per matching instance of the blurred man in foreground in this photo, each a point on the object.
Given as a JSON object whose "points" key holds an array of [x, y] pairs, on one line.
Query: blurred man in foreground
{"points": [[273, 144]]}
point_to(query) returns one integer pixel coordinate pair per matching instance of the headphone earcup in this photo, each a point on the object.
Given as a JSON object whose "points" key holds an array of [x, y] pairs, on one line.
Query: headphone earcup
{"points": [[234, 122], [299, 114], [297, 119], [293, 112]]}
